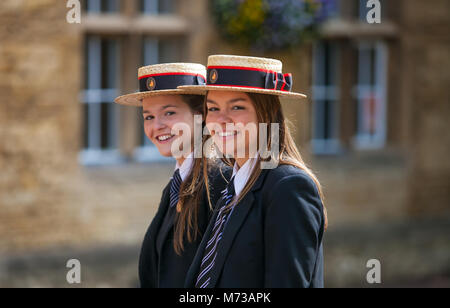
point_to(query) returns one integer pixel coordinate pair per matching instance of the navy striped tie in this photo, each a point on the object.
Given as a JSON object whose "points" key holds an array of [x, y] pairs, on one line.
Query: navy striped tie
{"points": [[175, 188], [210, 254]]}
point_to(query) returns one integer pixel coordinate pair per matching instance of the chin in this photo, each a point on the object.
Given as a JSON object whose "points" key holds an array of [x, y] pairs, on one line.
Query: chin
{"points": [[165, 152]]}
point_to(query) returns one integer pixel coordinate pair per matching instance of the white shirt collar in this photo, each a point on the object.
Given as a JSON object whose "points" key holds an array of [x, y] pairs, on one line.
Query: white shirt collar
{"points": [[186, 166], [242, 175]]}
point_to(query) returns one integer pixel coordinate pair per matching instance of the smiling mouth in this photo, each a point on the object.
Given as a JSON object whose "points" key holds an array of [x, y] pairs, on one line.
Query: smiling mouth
{"points": [[227, 134], [164, 138]]}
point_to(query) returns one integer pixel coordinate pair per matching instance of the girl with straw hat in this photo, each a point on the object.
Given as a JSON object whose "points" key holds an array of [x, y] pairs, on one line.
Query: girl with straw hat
{"points": [[172, 239], [267, 228]]}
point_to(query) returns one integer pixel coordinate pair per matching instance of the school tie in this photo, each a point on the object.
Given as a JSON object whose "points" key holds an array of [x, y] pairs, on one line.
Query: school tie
{"points": [[175, 188], [210, 254]]}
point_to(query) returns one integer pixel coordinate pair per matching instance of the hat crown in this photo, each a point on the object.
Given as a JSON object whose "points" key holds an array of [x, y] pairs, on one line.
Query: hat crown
{"points": [[249, 62], [185, 68]]}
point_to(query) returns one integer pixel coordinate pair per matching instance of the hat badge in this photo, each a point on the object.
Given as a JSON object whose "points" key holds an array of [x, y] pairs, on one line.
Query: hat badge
{"points": [[213, 76], [151, 84]]}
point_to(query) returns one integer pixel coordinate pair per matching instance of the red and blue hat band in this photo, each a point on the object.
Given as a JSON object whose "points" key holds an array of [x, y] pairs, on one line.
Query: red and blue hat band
{"points": [[169, 81], [230, 76]]}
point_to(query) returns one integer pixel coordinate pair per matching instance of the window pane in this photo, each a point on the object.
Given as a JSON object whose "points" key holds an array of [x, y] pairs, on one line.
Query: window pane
{"points": [[166, 6], [325, 95], [151, 51], [157, 6], [371, 95], [101, 6], [101, 70], [85, 125]]}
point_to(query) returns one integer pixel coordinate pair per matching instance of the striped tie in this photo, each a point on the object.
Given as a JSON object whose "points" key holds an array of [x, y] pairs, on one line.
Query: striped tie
{"points": [[210, 254], [175, 188]]}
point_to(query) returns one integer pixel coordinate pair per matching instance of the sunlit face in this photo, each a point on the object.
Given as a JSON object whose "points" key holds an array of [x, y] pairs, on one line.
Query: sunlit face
{"points": [[236, 108], [161, 114]]}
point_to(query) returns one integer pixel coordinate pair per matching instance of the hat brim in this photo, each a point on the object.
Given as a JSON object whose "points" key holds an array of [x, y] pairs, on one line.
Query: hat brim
{"points": [[202, 90], [135, 99]]}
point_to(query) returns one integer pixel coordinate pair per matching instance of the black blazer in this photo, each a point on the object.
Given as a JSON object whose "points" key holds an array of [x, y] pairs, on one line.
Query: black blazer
{"points": [[273, 238], [159, 265]]}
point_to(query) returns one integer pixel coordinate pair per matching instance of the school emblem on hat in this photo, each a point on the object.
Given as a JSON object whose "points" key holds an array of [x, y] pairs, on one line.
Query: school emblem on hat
{"points": [[213, 76], [151, 84]]}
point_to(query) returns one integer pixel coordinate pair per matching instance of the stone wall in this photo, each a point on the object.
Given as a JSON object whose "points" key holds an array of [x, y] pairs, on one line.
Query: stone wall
{"points": [[40, 67], [425, 63]]}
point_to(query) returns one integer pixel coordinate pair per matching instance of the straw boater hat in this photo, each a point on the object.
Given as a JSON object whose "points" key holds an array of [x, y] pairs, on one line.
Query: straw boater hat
{"points": [[163, 79], [246, 74]]}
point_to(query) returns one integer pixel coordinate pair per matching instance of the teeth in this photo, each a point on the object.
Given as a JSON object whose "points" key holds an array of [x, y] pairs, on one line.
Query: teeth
{"points": [[227, 134], [165, 137]]}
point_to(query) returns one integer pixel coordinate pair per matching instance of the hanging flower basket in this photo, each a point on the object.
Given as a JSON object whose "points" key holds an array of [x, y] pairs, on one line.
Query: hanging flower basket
{"points": [[270, 24]]}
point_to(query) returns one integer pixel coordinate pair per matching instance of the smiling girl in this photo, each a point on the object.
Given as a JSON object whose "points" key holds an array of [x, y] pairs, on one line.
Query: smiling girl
{"points": [[173, 237], [267, 230]]}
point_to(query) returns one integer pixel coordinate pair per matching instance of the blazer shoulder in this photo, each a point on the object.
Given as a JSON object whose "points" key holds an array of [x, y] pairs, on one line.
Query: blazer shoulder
{"points": [[284, 177], [286, 171]]}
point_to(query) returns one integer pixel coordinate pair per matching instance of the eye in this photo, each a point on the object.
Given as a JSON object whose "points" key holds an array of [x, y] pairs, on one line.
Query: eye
{"points": [[169, 113], [148, 118], [237, 108], [212, 109]]}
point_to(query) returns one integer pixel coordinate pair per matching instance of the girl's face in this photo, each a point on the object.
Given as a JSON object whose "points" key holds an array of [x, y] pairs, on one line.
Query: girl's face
{"points": [[161, 114], [235, 108]]}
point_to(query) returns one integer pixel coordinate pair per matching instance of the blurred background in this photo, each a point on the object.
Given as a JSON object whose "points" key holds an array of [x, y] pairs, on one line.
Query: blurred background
{"points": [[79, 180]]}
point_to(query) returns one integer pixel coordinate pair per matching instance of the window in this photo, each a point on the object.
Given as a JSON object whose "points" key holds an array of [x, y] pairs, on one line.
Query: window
{"points": [[112, 133], [100, 113], [157, 6], [155, 50], [370, 93], [101, 6], [326, 98]]}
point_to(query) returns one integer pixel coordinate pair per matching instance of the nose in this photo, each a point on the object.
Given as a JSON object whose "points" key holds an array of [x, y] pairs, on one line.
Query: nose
{"points": [[159, 124], [223, 117]]}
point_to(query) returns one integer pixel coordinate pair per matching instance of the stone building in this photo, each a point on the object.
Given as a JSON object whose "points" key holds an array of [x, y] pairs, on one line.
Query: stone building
{"points": [[78, 178]]}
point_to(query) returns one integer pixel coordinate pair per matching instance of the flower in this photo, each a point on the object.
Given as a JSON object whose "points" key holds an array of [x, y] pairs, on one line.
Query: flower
{"points": [[270, 24]]}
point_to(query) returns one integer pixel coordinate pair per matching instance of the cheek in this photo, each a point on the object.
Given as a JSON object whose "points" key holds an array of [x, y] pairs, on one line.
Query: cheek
{"points": [[182, 123], [250, 117], [147, 129], [210, 118]]}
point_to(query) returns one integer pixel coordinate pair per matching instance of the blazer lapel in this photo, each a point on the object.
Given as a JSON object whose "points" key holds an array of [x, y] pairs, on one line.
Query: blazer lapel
{"points": [[235, 222], [191, 277]]}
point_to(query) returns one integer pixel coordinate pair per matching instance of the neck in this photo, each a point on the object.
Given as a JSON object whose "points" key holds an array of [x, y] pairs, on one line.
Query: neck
{"points": [[180, 161], [241, 161]]}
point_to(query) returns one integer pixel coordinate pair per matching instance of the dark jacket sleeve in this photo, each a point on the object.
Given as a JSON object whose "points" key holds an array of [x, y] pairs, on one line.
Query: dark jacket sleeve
{"points": [[148, 275], [293, 232], [146, 270]]}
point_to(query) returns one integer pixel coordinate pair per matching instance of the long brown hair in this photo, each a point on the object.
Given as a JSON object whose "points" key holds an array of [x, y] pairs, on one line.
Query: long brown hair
{"points": [[268, 110], [191, 191]]}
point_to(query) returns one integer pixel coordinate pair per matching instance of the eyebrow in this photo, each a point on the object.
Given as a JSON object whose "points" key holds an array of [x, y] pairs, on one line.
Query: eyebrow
{"points": [[164, 107], [234, 100]]}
